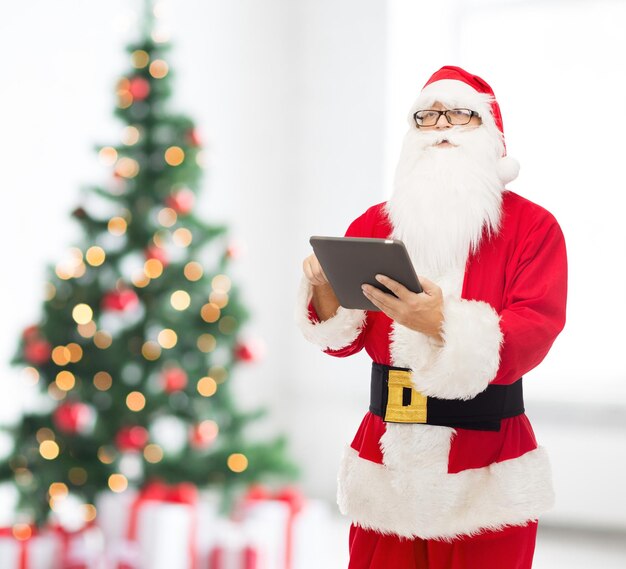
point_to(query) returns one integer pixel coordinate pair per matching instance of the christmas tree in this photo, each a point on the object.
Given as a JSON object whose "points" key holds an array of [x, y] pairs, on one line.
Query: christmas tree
{"points": [[140, 331]]}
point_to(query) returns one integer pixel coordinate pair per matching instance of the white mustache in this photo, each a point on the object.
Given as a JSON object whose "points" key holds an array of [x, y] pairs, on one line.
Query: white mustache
{"points": [[455, 135]]}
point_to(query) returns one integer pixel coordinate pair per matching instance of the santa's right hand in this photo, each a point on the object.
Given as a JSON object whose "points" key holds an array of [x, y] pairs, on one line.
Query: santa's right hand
{"points": [[313, 271]]}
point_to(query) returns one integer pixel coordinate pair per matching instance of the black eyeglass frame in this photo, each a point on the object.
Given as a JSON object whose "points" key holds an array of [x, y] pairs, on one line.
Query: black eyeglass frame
{"points": [[445, 114]]}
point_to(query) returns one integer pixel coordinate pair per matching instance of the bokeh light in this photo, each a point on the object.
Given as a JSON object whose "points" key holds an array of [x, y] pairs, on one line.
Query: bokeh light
{"points": [[130, 135], [77, 475], [102, 339], [237, 462], [221, 283], [76, 352], [49, 450], [102, 381], [174, 156], [108, 155], [135, 401], [65, 380], [167, 217], [139, 58], [167, 338], [207, 386], [182, 237], [87, 330], [210, 312], [153, 268], [180, 300], [95, 256], [151, 350], [193, 271], [61, 355], [117, 226], [118, 482], [153, 453], [206, 343], [158, 69], [127, 167]]}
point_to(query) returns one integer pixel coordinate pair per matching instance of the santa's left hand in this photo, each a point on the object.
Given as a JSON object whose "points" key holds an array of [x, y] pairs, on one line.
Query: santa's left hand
{"points": [[422, 312]]}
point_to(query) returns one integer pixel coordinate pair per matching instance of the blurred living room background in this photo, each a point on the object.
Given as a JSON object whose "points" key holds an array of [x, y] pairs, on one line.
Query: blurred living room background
{"points": [[302, 105]]}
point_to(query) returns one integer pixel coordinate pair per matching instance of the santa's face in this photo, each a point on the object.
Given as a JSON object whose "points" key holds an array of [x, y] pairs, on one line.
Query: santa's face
{"points": [[443, 121], [446, 191]]}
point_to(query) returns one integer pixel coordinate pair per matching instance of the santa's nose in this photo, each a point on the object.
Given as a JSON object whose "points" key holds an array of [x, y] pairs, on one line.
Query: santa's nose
{"points": [[442, 122]]}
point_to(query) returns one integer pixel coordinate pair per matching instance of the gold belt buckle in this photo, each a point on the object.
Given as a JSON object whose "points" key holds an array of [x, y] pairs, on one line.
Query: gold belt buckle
{"points": [[396, 412]]}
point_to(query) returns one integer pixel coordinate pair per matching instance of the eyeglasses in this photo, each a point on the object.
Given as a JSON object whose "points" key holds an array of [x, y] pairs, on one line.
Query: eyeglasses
{"points": [[430, 117]]}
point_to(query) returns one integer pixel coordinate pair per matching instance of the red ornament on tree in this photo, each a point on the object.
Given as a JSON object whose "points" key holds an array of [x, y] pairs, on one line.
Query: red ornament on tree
{"points": [[181, 201], [250, 351], [31, 333], [133, 438], [158, 253], [139, 88], [119, 300], [202, 435], [37, 352], [174, 379], [73, 417], [193, 137]]}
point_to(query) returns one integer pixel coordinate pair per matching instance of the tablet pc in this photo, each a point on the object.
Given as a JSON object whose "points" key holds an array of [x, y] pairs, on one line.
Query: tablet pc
{"points": [[348, 262]]}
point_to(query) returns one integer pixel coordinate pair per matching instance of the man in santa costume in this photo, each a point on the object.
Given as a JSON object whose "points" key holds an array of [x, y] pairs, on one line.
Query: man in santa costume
{"points": [[445, 471]]}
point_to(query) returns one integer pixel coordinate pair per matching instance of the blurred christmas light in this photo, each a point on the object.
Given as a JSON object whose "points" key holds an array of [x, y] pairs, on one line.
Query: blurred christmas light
{"points": [[30, 375], [127, 167], [167, 217], [221, 283], [153, 453], [237, 462], [22, 532], [135, 401], [79, 271], [89, 512], [76, 352], [95, 256], [49, 291], [193, 271], [140, 279], [61, 355], [108, 155], [160, 36], [44, 434], [65, 380], [49, 450], [167, 338], [207, 386], [130, 135], [182, 237], [180, 300], [55, 393], [174, 379], [158, 69], [210, 312], [102, 381], [58, 490], [204, 434], [117, 226], [118, 482], [202, 159], [174, 155], [125, 99], [102, 339], [77, 475], [139, 58], [181, 200], [206, 343], [87, 330], [153, 268], [23, 477], [227, 325], [219, 298], [151, 350], [106, 455]]}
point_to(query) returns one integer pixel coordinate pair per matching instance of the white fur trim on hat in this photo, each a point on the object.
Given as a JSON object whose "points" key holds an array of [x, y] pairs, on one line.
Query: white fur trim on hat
{"points": [[466, 362], [335, 333], [415, 496]]}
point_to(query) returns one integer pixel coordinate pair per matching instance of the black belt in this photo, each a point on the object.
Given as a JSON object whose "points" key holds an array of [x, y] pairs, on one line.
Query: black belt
{"points": [[393, 398]]}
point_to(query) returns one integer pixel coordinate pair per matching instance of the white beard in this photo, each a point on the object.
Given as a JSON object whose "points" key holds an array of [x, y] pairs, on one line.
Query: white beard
{"points": [[445, 199]]}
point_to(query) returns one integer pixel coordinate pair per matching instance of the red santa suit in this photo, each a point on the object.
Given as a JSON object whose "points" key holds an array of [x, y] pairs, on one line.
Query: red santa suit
{"points": [[419, 483]]}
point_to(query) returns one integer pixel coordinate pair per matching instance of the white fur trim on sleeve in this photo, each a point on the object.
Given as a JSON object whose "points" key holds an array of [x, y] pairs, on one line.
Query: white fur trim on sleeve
{"points": [[336, 332], [470, 355], [466, 362]]}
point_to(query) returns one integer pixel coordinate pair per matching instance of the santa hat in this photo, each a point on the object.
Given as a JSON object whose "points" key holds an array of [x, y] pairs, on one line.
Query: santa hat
{"points": [[456, 88]]}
